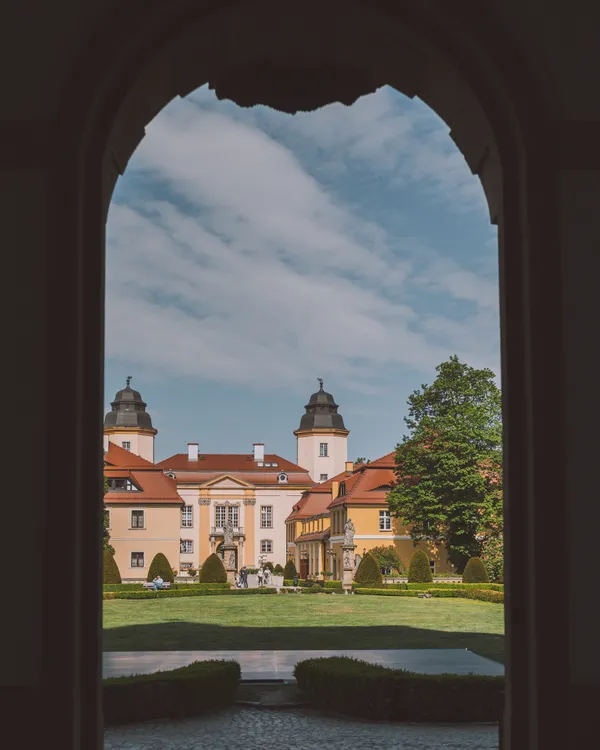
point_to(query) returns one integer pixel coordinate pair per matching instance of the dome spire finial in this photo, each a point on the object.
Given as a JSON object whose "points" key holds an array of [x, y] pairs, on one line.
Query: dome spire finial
{"points": [[320, 383], [128, 380]]}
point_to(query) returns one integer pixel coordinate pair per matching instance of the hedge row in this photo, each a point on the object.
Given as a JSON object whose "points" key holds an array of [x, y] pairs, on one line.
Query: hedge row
{"points": [[174, 586], [168, 593], [188, 691], [465, 586], [483, 595], [371, 691]]}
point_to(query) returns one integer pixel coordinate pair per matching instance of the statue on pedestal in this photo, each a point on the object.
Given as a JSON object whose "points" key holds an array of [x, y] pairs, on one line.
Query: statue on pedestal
{"points": [[228, 533], [349, 533]]}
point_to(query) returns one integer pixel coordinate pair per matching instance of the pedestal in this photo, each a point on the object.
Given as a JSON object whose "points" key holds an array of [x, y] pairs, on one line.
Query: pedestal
{"points": [[229, 563], [348, 566]]}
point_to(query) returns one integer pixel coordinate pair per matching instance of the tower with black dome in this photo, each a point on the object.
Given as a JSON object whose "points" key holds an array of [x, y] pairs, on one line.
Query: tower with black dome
{"points": [[322, 438], [129, 425]]}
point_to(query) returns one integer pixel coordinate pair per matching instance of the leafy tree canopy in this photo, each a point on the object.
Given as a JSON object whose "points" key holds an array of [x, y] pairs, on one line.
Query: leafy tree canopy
{"points": [[362, 460], [449, 467], [105, 522], [388, 557]]}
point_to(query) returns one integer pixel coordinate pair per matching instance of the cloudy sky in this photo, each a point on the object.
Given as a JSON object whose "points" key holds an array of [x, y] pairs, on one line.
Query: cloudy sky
{"points": [[250, 252]]}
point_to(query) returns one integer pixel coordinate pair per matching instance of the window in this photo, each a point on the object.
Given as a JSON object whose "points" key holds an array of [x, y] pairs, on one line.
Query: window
{"points": [[323, 477], [385, 520], [323, 449], [230, 512], [186, 546], [121, 485], [432, 565], [266, 546], [342, 490], [187, 517], [137, 519], [266, 516], [186, 566], [137, 559], [126, 444]]}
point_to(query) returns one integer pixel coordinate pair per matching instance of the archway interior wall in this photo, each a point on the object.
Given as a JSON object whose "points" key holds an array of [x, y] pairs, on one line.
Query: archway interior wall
{"points": [[345, 36]]}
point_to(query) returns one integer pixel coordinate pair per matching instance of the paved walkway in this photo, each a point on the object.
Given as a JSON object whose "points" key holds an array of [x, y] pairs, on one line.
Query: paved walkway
{"points": [[279, 665], [297, 729]]}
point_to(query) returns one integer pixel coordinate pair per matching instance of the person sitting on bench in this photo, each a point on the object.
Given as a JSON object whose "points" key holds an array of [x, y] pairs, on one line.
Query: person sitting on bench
{"points": [[158, 583]]}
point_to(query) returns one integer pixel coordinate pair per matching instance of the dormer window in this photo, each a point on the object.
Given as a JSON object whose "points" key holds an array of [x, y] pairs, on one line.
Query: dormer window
{"points": [[342, 490], [121, 485], [282, 478]]}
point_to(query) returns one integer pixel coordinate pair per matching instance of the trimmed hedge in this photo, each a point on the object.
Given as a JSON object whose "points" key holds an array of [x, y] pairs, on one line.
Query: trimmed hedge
{"points": [[111, 572], [182, 592], [201, 687], [475, 572], [174, 586], [213, 570], [450, 586], [270, 566], [278, 570], [368, 572], [419, 570], [160, 566], [371, 691], [333, 584], [290, 571], [482, 595]]}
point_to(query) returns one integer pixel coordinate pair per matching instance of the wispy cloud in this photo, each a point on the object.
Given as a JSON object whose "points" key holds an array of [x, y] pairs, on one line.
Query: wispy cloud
{"points": [[229, 260]]}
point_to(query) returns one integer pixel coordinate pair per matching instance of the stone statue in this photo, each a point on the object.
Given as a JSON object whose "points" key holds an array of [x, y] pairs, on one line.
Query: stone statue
{"points": [[348, 533], [231, 560], [347, 561], [228, 532]]}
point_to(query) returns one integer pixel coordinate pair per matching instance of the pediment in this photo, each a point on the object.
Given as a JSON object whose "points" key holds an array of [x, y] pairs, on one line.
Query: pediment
{"points": [[227, 482]]}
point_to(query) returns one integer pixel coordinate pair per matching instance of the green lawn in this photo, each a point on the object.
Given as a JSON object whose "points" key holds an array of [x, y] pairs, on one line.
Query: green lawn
{"points": [[303, 622]]}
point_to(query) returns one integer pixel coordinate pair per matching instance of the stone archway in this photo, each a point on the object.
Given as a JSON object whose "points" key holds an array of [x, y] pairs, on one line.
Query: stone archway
{"points": [[315, 54]]}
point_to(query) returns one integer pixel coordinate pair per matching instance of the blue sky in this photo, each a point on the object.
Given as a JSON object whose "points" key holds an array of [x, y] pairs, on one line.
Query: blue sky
{"points": [[250, 252]]}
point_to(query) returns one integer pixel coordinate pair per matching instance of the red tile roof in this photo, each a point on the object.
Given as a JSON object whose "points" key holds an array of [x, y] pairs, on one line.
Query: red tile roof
{"points": [[314, 536], [254, 478], [229, 463], [363, 487], [154, 486], [316, 500], [117, 456]]}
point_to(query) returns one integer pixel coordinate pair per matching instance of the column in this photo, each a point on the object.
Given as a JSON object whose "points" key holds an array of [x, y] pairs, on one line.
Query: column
{"points": [[205, 541], [319, 559], [250, 551]]}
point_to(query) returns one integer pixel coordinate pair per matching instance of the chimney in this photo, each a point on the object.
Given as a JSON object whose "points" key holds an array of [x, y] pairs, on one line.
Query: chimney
{"points": [[259, 451], [349, 466], [192, 451]]}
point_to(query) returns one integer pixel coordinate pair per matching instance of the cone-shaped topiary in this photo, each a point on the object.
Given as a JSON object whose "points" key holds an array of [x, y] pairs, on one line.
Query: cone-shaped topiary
{"points": [[213, 570], [278, 570], [269, 565], [419, 570], [160, 567], [368, 571], [290, 572], [111, 569], [475, 572]]}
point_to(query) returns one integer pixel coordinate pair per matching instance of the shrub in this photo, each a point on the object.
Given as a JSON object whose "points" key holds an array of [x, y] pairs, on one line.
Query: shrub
{"points": [[188, 691], [314, 589], [482, 595], [278, 570], [290, 582], [191, 572], [213, 570], [375, 692], [183, 592], [270, 566], [160, 567], [368, 572], [387, 556], [420, 570], [475, 572], [290, 570], [333, 584], [111, 569], [448, 586]]}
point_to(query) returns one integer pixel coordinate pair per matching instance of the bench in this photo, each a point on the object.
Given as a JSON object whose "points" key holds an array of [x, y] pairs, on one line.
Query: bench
{"points": [[150, 585]]}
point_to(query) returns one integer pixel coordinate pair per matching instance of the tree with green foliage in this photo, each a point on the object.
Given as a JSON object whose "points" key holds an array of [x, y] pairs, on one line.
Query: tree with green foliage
{"points": [[290, 572], [419, 570], [475, 572], [278, 570], [492, 556], [106, 521], [448, 486], [387, 557], [111, 572], [362, 460], [368, 572], [213, 570], [160, 567]]}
